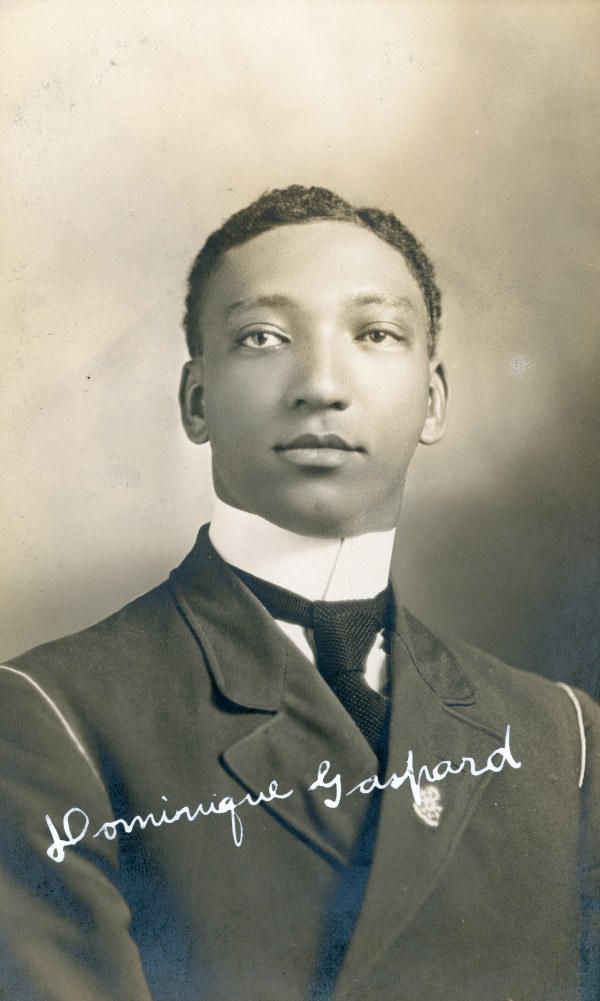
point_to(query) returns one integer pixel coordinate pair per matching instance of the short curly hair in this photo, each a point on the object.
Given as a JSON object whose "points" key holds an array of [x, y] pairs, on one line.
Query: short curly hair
{"points": [[291, 206]]}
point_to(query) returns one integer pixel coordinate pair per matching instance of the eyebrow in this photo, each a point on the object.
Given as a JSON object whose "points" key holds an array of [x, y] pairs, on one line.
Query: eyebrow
{"points": [[362, 299], [376, 299], [259, 300]]}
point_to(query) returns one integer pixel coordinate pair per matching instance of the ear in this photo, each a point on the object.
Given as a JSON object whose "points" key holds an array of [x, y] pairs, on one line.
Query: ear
{"points": [[191, 401], [435, 421]]}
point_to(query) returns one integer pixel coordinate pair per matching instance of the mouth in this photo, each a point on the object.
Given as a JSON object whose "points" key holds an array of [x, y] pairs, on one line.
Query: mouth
{"points": [[328, 451]]}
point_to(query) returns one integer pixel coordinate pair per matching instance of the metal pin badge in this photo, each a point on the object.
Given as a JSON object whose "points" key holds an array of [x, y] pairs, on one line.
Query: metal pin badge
{"points": [[430, 808]]}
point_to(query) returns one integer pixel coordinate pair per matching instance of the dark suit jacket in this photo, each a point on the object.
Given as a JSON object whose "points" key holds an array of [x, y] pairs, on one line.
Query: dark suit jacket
{"points": [[192, 694]]}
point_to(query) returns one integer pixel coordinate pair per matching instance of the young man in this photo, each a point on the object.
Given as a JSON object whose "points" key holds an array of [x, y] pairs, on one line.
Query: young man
{"points": [[265, 779]]}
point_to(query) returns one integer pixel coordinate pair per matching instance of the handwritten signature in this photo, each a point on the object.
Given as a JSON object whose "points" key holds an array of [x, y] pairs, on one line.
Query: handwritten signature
{"points": [[109, 829], [496, 761], [439, 772]]}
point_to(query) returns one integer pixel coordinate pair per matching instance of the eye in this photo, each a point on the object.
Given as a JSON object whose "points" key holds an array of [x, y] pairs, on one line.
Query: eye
{"points": [[381, 336], [262, 338]]}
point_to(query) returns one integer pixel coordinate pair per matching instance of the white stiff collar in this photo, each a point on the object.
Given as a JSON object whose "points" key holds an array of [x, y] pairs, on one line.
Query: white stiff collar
{"points": [[332, 569]]}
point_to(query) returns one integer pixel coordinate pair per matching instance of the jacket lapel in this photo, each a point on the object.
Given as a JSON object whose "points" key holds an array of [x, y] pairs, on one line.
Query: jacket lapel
{"points": [[299, 722], [431, 706], [311, 728]]}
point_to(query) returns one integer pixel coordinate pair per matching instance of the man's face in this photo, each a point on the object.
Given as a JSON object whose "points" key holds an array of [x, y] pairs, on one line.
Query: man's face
{"points": [[315, 383]]}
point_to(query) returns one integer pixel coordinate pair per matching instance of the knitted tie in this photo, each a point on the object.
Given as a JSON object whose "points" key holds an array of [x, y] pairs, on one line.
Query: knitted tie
{"points": [[343, 633]]}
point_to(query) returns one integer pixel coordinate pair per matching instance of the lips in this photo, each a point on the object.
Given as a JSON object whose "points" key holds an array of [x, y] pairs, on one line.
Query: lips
{"points": [[318, 441], [319, 452]]}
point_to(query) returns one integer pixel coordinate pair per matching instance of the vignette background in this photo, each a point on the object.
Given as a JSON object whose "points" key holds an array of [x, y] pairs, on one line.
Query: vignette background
{"points": [[132, 130]]}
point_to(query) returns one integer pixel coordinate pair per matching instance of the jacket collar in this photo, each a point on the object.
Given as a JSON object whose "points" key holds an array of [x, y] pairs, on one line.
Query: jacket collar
{"points": [[246, 654], [233, 627], [436, 664]]}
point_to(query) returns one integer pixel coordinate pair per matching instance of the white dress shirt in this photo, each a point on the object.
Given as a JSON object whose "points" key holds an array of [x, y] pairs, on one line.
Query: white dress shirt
{"points": [[318, 569]]}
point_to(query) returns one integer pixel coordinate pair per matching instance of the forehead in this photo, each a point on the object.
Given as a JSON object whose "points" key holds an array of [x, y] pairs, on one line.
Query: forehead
{"points": [[313, 265]]}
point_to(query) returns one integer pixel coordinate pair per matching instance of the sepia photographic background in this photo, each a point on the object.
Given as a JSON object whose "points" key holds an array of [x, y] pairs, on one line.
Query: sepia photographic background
{"points": [[131, 130]]}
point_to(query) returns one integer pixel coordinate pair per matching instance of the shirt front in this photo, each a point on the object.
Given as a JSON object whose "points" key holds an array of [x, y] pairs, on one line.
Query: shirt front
{"points": [[318, 569]]}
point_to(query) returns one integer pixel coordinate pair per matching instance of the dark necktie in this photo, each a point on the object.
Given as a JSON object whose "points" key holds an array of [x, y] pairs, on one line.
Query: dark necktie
{"points": [[343, 633]]}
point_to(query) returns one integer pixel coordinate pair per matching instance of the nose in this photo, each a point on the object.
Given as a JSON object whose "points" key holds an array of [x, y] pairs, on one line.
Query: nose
{"points": [[319, 379]]}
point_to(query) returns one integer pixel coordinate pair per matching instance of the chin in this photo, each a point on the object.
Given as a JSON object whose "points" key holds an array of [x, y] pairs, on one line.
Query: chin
{"points": [[322, 522]]}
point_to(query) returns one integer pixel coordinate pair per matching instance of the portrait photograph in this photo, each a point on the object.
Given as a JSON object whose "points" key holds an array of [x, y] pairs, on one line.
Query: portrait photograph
{"points": [[299, 620]]}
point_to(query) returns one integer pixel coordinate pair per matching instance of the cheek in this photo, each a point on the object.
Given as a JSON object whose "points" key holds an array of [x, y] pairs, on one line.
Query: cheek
{"points": [[401, 406], [238, 420], [238, 393]]}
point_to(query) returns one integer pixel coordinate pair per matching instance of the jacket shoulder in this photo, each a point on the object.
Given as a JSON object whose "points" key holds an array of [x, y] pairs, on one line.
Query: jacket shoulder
{"points": [[547, 710], [120, 662], [139, 621]]}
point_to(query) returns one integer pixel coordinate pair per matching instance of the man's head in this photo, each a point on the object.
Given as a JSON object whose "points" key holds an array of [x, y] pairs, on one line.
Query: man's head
{"points": [[312, 328]]}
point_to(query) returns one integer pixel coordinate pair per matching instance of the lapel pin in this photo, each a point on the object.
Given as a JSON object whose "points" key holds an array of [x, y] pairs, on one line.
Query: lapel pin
{"points": [[430, 808]]}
